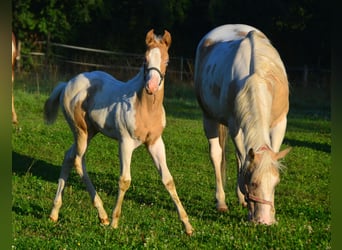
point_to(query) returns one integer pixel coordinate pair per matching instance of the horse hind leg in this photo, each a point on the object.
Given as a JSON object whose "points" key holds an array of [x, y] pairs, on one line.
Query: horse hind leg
{"points": [[14, 114], [63, 177], [211, 129], [82, 140]]}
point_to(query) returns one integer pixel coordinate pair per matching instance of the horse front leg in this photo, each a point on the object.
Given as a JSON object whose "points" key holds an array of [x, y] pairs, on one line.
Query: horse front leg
{"points": [[157, 151], [240, 154], [125, 151], [277, 134]]}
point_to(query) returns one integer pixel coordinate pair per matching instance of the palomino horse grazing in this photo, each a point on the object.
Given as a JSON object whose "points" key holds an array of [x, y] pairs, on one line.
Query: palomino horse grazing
{"points": [[241, 83], [14, 55], [130, 112]]}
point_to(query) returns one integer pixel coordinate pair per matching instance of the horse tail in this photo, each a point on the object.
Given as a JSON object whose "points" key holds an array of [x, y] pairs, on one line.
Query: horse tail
{"points": [[52, 103], [223, 133]]}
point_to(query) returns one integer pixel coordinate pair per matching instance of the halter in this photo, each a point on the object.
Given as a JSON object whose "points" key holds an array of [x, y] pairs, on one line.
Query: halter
{"points": [[146, 70], [252, 198]]}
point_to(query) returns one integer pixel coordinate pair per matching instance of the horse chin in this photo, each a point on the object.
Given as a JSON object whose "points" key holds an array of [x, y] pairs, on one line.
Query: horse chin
{"points": [[259, 220]]}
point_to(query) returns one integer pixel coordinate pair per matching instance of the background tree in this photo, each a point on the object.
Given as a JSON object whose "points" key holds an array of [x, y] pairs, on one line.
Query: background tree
{"points": [[299, 29]]}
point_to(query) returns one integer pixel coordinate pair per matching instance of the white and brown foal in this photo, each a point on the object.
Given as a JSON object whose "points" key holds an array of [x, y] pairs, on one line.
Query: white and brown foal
{"points": [[131, 112]]}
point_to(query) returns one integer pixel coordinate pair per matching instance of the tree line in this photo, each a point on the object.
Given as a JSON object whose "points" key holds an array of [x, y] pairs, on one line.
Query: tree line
{"points": [[299, 29]]}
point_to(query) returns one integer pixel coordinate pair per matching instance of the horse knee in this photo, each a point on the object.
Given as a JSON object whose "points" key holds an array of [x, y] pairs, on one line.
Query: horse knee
{"points": [[124, 184], [170, 185]]}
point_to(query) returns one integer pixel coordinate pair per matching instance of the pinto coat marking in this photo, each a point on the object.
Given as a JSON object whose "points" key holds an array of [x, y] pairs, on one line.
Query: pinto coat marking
{"points": [[241, 83], [131, 112]]}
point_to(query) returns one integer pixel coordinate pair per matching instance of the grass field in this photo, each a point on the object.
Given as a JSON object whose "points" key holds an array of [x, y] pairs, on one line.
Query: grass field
{"points": [[149, 218]]}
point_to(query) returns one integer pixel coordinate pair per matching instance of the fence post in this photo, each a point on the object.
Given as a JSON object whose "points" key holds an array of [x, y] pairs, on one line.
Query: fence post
{"points": [[181, 69], [305, 76]]}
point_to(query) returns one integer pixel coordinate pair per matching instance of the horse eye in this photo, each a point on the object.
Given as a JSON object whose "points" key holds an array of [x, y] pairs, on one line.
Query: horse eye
{"points": [[254, 185]]}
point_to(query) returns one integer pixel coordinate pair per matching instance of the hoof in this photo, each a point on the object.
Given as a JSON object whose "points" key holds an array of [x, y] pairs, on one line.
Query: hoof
{"points": [[104, 222], [222, 209], [189, 231], [53, 219]]}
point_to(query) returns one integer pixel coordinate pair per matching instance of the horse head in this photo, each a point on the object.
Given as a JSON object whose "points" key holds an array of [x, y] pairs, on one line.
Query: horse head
{"points": [[156, 60], [260, 178]]}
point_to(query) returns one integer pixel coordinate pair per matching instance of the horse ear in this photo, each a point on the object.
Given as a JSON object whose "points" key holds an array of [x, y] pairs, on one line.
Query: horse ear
{"points": [[283, 153], [149, 37], [167, 38], [251, 154]]}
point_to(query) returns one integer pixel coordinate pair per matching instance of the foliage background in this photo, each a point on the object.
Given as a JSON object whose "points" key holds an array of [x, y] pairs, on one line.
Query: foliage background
{"points": [[299, 29]]}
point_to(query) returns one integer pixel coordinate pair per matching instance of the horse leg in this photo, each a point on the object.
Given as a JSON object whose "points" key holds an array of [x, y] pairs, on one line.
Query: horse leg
{"points": [[277, 134], [80, 166], [14, 114], [63, 177], [125, 149], [215, 151], [240, 153], [157, 151]]}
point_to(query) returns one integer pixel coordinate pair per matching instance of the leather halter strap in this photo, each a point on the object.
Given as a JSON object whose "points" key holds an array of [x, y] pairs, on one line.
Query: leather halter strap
{"points": [[146, 70], [250, 197]]}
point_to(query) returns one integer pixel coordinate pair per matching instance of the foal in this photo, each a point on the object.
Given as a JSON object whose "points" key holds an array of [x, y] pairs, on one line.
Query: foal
{"points": [[131, 113]]}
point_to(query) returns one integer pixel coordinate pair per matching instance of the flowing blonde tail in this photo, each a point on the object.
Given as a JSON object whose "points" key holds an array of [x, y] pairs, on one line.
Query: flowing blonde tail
{"points": [[52, 104], [223, 133]]}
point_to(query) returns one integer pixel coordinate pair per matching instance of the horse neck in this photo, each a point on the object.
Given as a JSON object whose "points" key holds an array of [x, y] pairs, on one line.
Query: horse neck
{"points": [[147, 101], [151, 103]]}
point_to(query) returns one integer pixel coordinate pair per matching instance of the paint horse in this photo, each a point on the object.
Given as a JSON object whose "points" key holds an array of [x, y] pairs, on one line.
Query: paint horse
{"points": [[14, 56], [241, 83], [131, 112]]}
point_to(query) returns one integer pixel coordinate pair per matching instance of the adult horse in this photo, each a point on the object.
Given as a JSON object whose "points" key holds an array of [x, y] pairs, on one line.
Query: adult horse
{"points": [[130, 112], [14, 55], [241, 83]]}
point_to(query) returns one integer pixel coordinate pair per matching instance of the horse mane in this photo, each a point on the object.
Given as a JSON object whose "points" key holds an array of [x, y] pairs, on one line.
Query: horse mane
{"points": [[248, 111], [253, 102]]}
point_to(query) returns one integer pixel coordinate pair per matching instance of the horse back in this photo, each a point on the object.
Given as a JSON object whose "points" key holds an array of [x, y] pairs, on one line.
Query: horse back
{"points": [[222, 65]]}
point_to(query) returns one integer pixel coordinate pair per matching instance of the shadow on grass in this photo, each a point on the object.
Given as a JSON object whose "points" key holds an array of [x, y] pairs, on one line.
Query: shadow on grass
{"points": [[324, 147], [143, 191], [22, 164]]}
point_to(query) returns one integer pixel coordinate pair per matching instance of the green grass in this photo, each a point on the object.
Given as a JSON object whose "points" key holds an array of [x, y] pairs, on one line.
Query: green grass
{"points": [[149, 218]]}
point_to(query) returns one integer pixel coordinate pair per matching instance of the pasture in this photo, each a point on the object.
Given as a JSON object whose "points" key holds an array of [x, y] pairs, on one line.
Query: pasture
{"points": [[149, 218]]}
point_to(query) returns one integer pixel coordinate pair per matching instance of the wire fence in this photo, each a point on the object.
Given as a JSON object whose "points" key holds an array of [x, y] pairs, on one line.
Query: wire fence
{"points": [[49, 63]]}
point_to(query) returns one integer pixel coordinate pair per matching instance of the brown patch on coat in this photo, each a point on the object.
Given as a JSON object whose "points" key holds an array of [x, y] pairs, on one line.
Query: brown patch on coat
{"points": [[79, 118], [240, 33], [150, 114], [277, 85], [149, 117]]}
